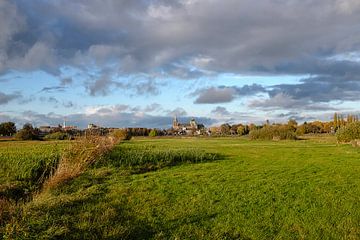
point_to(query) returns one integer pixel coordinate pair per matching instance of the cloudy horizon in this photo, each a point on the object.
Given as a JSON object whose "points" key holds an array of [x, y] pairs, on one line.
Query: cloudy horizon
{"points": [[125, 63]]}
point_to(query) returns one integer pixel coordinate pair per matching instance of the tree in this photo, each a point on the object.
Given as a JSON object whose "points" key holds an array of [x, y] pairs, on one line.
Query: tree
{"points": [[292, 125], [225, 129], [27, 133], [153, 133], [7, 129], [336, 121], [241, 130]]}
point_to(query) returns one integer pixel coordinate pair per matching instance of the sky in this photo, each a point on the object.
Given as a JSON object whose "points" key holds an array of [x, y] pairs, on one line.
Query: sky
{"points": [[139, 63]]}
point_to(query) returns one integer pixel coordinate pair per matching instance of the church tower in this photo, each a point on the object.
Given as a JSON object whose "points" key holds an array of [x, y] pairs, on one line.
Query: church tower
{"points": [[175, 124]]}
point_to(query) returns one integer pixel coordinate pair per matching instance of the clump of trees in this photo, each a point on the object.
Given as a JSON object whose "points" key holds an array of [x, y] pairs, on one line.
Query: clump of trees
{"points": [[7, 129], [349, 132], [340, 121], [28, 132], [153, 133], [274, 132]]}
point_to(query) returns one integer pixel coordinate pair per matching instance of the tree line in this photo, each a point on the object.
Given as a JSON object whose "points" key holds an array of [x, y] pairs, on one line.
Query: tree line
{"points": [[28, 132]]}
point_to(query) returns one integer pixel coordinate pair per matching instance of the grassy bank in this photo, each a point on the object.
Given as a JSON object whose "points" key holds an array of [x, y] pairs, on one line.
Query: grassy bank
{"points": [[262, 190]]}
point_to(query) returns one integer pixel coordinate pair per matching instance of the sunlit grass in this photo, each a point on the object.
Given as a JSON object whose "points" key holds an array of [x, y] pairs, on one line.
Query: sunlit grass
{"points": [[307, 189]]}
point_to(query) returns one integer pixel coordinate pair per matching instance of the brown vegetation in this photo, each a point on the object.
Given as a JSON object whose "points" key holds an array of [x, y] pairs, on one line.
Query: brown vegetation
{"points": [[79, 155]]}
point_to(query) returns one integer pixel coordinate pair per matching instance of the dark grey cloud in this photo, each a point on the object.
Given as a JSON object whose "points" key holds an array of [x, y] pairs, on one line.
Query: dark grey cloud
{"points": [[234, 36], [284, 101], [322, 89], [225, 94], [6, 98], [214, 95], [53, 89]]}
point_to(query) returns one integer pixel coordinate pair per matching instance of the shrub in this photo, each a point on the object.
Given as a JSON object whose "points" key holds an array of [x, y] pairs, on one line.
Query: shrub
{"points": [[153, 133], [121, 134], [57, 136], [349, 132], [277, 132], [27, 133]]}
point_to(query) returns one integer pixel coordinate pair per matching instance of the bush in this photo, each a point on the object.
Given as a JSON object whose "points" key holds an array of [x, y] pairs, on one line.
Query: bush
{"points": [[57, 136], [278, 132], [121, 134], [349, 132], [27, 133], [153, 133]]}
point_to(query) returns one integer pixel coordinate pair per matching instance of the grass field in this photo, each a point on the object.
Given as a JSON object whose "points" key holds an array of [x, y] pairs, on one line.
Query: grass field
{"points": [[308, 189], [20, 161], [24, 165]]}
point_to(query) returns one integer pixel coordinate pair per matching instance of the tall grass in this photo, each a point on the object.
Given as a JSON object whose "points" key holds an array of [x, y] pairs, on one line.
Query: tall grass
{"points": [[43, 174], [23, 170], [78, 156], [147, 158]]}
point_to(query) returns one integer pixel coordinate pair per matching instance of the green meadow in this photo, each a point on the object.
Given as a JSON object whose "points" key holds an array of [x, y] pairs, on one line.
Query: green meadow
{"points": [[198, 188], [20, 161]]}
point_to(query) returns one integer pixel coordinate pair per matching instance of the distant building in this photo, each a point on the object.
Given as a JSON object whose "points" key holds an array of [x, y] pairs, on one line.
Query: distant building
{"points": [[92, 126], [46, 129], [69, 128], [190, 128]]}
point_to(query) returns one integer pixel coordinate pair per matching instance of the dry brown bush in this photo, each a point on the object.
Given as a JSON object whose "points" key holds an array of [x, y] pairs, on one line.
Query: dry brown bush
{"points": [[78, 156]]}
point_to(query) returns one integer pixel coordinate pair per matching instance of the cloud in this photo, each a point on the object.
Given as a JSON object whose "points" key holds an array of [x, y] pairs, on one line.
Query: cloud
{"points": [[107, 116], [49, 100], [284, 101], [6, 98], [322, 89], [147, 87], [215, 95], [187, 40], [225, 94], [53, 89], [152, 107], [176, 112], [231, 36], [68, 104], [220, 111], [66, 81]]}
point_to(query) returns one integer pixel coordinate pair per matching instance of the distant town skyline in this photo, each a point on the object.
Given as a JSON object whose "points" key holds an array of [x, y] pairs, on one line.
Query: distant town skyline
{"points": [[120, 63]]}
